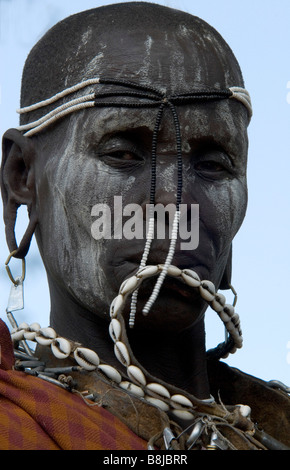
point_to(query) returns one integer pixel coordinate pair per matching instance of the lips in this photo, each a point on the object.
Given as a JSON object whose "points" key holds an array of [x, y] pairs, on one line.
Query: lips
{"points": [[126, 263], [171, 285]]}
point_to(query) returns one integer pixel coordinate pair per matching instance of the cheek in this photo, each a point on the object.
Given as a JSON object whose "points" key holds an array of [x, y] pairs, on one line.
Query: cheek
{"points": [[223, 210], [69, 188], [71, 255]]}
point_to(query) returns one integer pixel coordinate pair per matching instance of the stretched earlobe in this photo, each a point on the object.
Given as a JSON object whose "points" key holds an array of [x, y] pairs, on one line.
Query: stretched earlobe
{"points": [[18, 188], [225, 283]]}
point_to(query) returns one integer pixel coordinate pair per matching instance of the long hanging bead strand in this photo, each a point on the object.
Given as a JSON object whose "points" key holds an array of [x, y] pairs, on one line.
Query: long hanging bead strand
{"points": [[176, 220], [150, 234]]}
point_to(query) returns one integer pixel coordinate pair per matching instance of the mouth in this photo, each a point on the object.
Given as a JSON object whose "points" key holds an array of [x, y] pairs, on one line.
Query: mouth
{"points": [[172, 286]]}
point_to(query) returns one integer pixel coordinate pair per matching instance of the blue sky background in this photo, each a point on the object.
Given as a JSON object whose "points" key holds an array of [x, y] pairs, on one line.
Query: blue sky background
{"points": [[258, 31]]}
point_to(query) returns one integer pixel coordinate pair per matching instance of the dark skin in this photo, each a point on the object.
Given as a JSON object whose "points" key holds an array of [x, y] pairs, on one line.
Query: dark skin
{"points": [[111, 151]]}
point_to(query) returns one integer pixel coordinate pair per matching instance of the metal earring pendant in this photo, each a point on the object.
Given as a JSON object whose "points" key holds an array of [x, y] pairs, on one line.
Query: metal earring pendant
{"points": [[16, 297]]}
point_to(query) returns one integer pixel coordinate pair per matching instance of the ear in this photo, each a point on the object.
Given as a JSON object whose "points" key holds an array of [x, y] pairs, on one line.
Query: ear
{"points": [[227, 276], [18, 187]]}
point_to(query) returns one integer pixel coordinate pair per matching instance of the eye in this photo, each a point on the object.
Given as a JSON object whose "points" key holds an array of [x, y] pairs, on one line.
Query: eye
{"points": [[120, 152], [214, 165], [125, 156], [210, 166], [121, 159]]}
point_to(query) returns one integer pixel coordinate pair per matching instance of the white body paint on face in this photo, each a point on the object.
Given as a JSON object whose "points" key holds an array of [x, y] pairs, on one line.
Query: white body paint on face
{"points": [[85, 167]]}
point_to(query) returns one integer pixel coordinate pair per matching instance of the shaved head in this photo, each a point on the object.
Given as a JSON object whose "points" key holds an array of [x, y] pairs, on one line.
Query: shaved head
{"points": [[123, 41]]}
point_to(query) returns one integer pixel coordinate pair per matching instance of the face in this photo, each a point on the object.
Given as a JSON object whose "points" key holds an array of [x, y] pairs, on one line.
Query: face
{"points": [[106, 152]]}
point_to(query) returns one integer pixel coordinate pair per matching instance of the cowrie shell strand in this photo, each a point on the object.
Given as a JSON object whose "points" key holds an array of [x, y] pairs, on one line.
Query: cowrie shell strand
{"points": [[86, 358]]}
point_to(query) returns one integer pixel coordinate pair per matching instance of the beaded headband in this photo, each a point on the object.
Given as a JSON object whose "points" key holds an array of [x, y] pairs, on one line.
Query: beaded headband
{"points": [[152, 96], [136, 96]]}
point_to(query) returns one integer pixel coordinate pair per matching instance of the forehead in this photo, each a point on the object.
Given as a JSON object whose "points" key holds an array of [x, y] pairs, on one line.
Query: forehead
{"points": [[178, 59]]}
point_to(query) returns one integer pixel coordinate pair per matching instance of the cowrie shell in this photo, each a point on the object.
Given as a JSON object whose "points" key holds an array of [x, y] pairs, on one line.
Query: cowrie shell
{"points": [[110, 372], [224, 317], [190, 277], [147, 271], [61, 348], [115, 329], [45, 336], [173, 271], [134, 389], [121, 353], [86, 358], [229, 310], [136, 375], [207, 290], [17, 335], [35, 326], [157, 389], [239, 342], [180, 401], [129, 285], [158, 403], [30, 334], [245, 410], [236, 319], [116, 305], [23, 326], [231, 327], [218, 302], [183, 414]]}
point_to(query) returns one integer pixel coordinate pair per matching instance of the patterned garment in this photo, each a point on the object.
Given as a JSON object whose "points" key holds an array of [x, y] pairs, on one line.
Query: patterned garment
{"points": [[37, 415]]}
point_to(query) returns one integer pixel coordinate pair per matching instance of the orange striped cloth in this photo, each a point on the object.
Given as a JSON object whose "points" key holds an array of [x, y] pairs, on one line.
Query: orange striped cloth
{"points": [[37, 415]]}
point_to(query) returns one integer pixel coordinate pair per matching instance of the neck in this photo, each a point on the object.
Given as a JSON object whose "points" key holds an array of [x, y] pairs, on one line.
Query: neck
{"points": [[74, 322], [175, 358], [178, 359]]}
